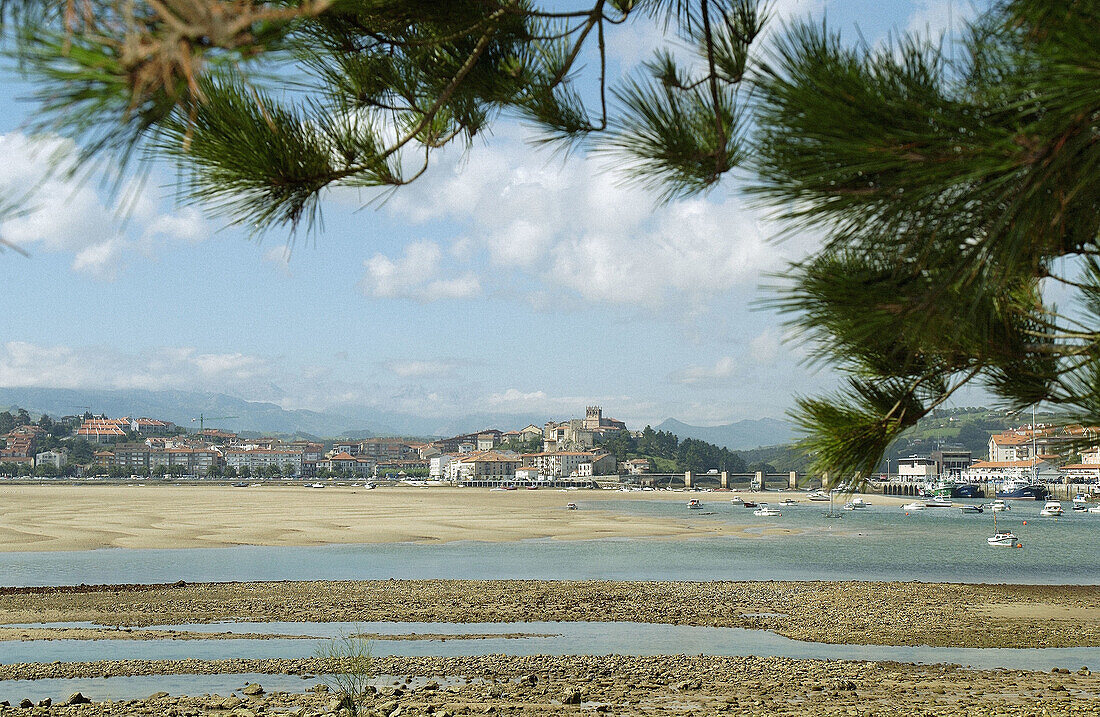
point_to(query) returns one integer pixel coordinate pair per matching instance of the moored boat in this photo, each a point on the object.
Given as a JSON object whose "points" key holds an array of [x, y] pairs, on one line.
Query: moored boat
{"points": [[818, 495], [1002, 540], [859, 503], [971, 508], [766, 510], [938, 502], [1052, 509], [788, 501], [1080, 502], [695, 504], [570, 506], [915, 505]]}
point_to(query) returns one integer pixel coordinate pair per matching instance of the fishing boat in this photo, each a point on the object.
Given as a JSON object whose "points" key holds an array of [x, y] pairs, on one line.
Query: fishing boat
{"points": [[1052, 509], [695, 504], [1018, 488], [766, 510]]}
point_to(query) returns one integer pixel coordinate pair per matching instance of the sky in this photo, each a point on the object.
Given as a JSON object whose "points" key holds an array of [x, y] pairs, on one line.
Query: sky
{"points": [[508, 279]]}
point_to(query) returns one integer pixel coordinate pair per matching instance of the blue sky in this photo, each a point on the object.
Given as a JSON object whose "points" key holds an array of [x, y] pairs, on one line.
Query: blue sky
{"points": [[506, 280]]}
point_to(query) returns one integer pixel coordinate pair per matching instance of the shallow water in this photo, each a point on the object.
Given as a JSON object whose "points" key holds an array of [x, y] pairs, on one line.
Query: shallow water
{"points": [[879, 543], [564, 638]]}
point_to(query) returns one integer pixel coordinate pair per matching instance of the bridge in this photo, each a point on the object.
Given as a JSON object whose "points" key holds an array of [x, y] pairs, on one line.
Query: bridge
{"points": [[722, 479]]}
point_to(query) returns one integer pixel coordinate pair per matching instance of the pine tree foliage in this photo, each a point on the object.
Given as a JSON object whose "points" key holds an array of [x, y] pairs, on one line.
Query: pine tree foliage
{"points": [[264, 105], [955, 186], [956, 198]]}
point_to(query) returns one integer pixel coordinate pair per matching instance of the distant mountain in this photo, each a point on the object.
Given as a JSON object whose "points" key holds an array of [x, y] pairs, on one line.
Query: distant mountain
{"points": [[181, 407], [742, 435]]}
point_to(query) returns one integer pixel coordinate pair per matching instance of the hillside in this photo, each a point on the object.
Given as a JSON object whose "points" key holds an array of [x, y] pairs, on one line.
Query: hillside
{"points": [[741, 435]]}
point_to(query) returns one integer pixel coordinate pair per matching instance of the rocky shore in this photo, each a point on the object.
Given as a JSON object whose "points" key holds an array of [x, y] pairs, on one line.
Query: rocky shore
{"points": [[872, 613], [627, 686]]}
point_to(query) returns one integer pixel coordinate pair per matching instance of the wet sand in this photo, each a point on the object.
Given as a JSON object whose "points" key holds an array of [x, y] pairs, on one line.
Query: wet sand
{"points": [[82, 517]]}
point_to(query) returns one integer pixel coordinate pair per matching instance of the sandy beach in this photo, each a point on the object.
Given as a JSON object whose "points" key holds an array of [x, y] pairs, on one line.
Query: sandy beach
{"points": [[82, 517]]}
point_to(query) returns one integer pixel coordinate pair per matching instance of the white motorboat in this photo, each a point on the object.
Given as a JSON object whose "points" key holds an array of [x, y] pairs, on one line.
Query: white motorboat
{"points": [[318, 485], [999, 505], [788, 501], [1052, 509], [858, 503], [570, 506], [1002, 540], [818, 495], [938, 502], [695, 504], [915, 505], [1080, 502], [767, 511], [1094, 509], [849, 506]]}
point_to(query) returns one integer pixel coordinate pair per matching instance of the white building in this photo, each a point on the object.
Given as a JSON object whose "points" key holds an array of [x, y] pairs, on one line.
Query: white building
{"points": [[483, 465], [993, 471], [256, 459], [437, 465], [51, 458], [559, 464], [917, 469]]}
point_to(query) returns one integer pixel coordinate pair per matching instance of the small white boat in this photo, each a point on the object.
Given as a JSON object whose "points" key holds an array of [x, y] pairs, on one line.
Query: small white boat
{"points": [[1094, 509], [738, 500], [766, 511], [938, 502], [788, 501], [695, 504], [999, 505], [1052, 509], [317, 485], [971, 508], [818, 495], [849, 506], [1080, 502], [915, 505], [858, 503], [570, 506], [1002, 540]]}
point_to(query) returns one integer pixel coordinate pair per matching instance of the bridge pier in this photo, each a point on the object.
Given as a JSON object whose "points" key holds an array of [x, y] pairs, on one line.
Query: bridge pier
{"points": [[759, 480], [792, 481], [687, 479], [725, 479]]}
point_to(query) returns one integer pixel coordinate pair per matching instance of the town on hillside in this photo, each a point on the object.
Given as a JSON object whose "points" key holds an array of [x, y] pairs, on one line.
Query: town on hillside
{"points": [[575, 450]]}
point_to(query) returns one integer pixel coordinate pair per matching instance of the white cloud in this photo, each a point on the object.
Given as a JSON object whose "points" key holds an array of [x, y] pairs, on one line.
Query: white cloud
{"points": [[27, 364], [722, 369], [66, 214], [422, 369], [936, 18], [764, 347], [569, 226], [416, 275]]}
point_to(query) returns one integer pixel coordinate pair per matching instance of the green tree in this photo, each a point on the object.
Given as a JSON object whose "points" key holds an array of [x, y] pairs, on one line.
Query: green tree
{"points": [[953, 196], [7, 422], [264, 105]]}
